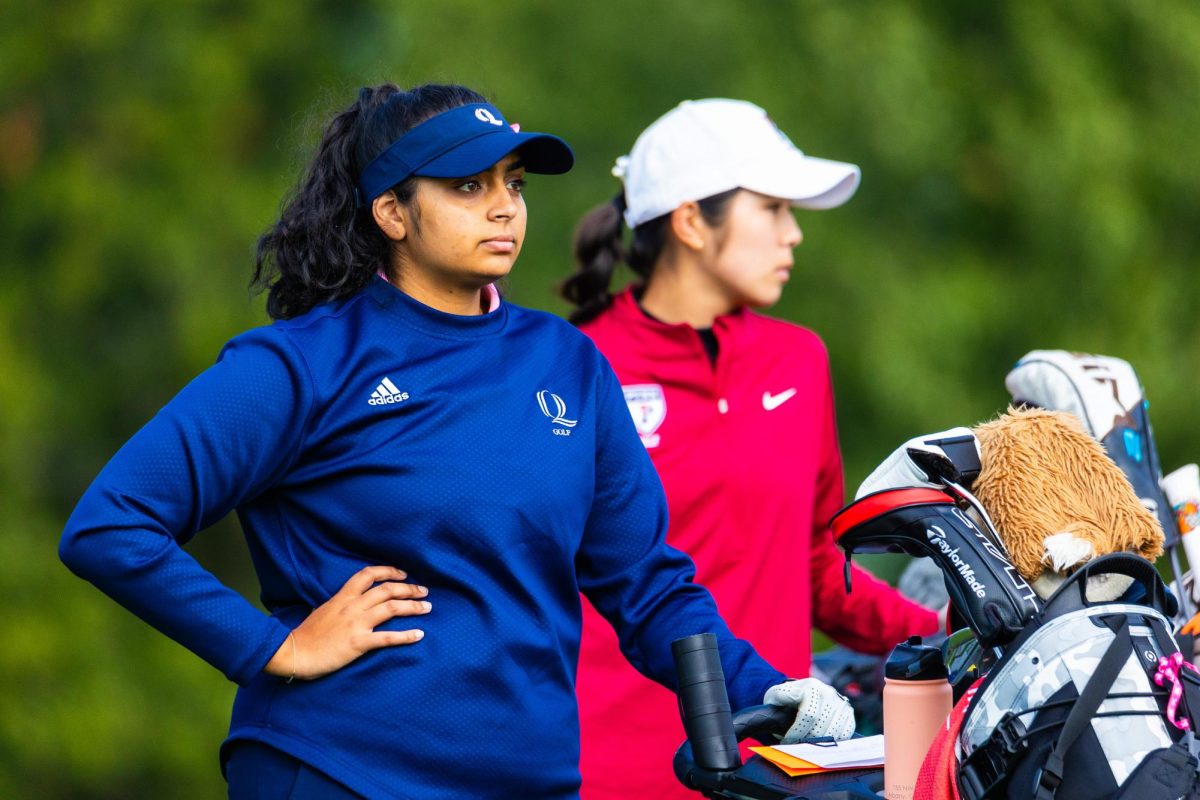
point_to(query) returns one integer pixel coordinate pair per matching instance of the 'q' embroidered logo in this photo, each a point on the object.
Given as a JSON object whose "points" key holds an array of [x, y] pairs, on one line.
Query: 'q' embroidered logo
{"points": [[553, 407], [483, 115]]}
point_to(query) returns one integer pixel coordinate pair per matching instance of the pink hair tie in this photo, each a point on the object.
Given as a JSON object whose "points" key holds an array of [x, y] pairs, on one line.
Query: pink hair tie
{"points": [[1169, 668]]}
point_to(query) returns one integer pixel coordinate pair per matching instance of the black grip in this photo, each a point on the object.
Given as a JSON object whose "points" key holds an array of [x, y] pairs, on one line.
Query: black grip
{"points": [[765, 724], [704, 702]]}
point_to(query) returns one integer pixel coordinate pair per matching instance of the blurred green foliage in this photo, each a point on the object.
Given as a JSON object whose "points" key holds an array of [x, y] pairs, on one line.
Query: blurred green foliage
{"points": [[1030, 180]]}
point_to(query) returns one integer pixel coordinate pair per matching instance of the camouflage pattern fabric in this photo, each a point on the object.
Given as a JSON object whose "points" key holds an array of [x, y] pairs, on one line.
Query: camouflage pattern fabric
{"points": [[1067, 650]]}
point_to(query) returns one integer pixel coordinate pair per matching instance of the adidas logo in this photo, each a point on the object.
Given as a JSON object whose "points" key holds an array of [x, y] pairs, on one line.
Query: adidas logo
{"points": [[386, 393]]}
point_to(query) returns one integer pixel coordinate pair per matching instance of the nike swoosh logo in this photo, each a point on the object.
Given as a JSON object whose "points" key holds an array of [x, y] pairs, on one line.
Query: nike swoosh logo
{"points": [[774, 401]]}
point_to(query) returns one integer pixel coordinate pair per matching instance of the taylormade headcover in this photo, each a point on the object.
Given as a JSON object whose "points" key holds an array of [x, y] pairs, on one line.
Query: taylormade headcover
{"points": [[925, 461], [820, 710]]}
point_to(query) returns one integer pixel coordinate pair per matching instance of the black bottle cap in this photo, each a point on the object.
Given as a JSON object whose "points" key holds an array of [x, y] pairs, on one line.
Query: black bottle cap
{"points": [[913, 661]]}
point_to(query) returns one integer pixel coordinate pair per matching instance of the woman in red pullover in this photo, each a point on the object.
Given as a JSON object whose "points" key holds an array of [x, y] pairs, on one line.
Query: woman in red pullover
{"points": [[735, 408]]}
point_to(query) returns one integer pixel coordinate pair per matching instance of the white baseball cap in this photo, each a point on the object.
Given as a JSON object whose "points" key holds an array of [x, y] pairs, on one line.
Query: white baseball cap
{"points": [[701, 148]]}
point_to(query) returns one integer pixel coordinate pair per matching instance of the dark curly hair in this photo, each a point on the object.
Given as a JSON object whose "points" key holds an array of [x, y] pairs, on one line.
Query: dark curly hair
{"points": [[323, 248]]}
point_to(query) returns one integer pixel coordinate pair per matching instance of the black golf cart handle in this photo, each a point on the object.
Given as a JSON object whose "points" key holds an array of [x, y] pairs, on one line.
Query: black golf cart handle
{"points": [[715, 767]]}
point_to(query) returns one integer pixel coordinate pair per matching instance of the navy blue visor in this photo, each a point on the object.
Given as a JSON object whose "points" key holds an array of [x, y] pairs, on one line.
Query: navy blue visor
{"points": [[462, 141]]}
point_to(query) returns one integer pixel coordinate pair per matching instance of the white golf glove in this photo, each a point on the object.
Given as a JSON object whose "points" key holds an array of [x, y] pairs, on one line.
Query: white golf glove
{"points": [[913, 463], [820, 710], [1098, 389]]}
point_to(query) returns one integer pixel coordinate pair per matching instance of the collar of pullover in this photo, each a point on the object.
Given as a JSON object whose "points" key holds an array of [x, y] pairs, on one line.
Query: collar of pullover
{"points": [[626, 305], [435, 322]]}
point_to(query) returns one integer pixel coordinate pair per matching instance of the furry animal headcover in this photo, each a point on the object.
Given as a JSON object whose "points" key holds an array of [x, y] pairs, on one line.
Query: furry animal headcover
{"points": [[1056, 498]]}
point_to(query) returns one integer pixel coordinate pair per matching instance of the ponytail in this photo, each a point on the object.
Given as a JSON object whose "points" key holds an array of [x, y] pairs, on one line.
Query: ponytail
{"points": [[598, 249], [325, 247]]}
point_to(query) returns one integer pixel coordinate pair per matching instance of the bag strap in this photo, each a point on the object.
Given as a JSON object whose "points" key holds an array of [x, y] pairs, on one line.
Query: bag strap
{"points": [[1085, 708]]}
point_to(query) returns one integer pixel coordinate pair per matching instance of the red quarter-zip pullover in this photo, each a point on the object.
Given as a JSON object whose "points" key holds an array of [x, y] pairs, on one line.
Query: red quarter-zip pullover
{"points": [[747, 451]]}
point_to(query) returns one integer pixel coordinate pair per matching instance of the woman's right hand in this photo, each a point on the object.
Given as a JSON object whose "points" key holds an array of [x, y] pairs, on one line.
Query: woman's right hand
{"points": [[343, 628]]}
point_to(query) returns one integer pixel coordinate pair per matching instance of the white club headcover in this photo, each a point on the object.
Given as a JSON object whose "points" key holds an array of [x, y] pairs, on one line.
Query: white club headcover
{"points": [[901, 471], [820, 710], [1098, 389]]}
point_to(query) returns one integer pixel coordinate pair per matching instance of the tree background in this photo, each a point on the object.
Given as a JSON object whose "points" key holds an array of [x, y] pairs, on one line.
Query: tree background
{"points": [[1030, 180]]}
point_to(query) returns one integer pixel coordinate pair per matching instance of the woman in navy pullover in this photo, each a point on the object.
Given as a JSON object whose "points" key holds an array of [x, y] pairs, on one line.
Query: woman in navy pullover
{"points": [[426, 475]]}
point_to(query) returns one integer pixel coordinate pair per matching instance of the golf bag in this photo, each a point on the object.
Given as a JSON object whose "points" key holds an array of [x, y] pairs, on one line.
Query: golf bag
{"points": [[1086, 700], [1091, 700]]}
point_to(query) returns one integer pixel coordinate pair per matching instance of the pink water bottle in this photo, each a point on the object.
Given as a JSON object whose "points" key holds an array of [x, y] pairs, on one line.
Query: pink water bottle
{"points": [[916, 702]]}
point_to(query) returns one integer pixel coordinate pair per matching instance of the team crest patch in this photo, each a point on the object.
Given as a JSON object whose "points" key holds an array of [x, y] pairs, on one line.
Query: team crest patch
{"points": [[648, 407]]}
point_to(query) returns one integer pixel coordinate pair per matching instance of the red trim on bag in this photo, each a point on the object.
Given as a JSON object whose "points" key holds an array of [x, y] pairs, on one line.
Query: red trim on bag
{"points": [[873, 505]]}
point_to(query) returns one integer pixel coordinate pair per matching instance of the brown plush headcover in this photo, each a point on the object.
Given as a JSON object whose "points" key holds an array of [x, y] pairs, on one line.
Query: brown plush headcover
{"points": [[1043, 474]]}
